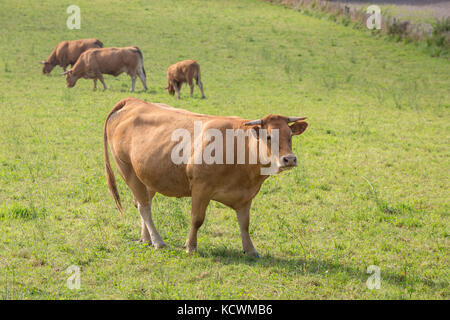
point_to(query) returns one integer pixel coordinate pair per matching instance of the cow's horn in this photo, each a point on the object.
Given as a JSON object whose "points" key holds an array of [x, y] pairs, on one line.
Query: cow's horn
{"points": [[253, 122], [42, 62], [65, 72], [293, 119]]}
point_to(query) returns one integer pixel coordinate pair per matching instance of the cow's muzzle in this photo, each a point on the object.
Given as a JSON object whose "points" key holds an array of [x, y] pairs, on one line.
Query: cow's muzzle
{"points": [[288, 161]]}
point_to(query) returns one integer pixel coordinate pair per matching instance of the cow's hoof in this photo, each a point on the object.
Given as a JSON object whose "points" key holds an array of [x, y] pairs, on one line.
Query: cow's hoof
{"points": [[191, 250], [159, 245], [143, 241], [253, 254]]}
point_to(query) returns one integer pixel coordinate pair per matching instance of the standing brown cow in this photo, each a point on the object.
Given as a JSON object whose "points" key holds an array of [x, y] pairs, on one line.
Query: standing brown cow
{"points": [[181, 72], [93, 63], [67, 53], [144, 139]]}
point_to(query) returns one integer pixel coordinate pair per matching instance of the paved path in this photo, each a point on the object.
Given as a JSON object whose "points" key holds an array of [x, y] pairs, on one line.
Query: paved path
{"points": [[436, 8]]}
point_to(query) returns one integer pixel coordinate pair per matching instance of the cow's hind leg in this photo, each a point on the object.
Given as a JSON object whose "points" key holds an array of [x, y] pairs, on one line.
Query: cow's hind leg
{"points": [[200, 85], [141, 75], [191, 85], [133, 82], [199, 204], [145, 235], [143, 199], [95, 84], [146, 216], [243, 217]]}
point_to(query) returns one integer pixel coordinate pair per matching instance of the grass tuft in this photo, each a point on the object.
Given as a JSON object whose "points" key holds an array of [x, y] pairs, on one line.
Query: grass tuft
{"points": [[21, 212]]}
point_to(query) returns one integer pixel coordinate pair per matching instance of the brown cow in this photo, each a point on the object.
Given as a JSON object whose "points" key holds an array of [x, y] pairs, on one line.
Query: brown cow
{"points": [[144, 140], [181, 72], [93, 63], [67, 53]]}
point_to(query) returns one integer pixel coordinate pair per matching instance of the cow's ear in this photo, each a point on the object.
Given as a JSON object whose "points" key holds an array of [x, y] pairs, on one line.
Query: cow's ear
{"points": [[298, 127]]}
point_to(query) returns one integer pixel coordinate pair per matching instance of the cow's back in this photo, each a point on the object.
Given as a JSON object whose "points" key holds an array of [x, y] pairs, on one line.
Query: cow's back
{"points": [[141, 134], [68, 52], [180, 71], [76, 47], [113, 61]]}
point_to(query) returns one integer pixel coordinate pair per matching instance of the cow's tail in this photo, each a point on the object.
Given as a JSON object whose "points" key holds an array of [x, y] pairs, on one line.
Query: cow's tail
{"points": [[197, 75], [141, 60], [110, 178], [99, 43]]}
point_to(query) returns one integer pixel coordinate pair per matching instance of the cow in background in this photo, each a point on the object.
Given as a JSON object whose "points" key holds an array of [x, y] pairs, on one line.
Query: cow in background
{"points": [[67, 53], [181, 72], [93, 63]]}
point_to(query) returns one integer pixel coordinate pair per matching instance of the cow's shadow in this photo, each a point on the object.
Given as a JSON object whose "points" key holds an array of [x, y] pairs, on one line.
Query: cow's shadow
{"points": [[299, 266], [138, 91]]}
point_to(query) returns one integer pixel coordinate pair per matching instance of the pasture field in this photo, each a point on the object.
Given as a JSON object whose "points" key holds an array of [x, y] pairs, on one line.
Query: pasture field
{"points": [[371, 187]]}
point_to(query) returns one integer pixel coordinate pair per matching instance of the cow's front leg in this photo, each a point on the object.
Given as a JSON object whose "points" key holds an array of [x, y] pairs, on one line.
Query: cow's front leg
{"points": [[95, 84], [243, 217], [200, 84], [199, 205]]}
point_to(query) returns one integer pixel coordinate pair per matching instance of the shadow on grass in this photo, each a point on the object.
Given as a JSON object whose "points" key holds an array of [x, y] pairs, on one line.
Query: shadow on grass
{"points": [[297, 266], [142, 91]]}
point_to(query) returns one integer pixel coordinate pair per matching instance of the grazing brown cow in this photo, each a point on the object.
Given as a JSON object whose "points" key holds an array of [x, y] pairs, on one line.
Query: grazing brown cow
{"points": [[67, 53], [93, 63], [181, 72], [144, 139]]}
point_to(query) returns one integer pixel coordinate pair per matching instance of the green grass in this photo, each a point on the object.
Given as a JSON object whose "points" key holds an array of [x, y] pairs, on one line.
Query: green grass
{"points": [[371, 187]]}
